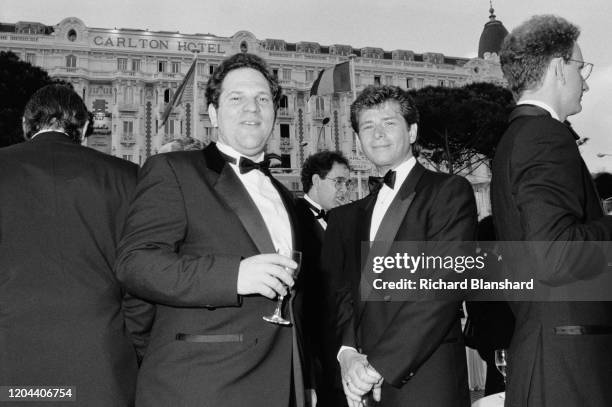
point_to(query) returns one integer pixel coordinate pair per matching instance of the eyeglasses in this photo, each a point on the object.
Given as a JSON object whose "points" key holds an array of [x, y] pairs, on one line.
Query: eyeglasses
{"points": [[585, 70], [340, 182]]}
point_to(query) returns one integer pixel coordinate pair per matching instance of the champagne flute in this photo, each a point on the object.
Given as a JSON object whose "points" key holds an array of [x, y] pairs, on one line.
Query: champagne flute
{"points": [[501, 362], [277, 316]]}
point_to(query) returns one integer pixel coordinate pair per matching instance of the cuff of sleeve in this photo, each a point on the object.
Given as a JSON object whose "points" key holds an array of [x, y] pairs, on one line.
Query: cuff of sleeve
{"points": [[342, 349]]}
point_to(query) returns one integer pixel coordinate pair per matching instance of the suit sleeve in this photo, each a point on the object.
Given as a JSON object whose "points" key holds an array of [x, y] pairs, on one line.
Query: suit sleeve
{"points": [[149, 261], [551, 196], [419, 328]]}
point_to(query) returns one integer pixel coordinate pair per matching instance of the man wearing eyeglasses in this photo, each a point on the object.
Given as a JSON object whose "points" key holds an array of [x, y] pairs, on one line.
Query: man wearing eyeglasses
{"points": [[326, 184], [541, 191]]}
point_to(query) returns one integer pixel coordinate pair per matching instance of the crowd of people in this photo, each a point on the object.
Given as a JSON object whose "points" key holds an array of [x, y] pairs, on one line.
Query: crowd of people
{"points": [[148, 286]]}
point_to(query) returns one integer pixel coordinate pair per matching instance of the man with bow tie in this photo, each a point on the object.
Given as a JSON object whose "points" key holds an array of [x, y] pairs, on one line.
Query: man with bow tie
{"points": [[326, 183], [201, 241], [401, 353], [541, 191]]}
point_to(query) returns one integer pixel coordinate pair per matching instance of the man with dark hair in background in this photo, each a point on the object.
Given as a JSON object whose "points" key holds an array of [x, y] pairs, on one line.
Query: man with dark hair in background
{"points": [[63, 314], [404, 352], [202, 241], [541, 191], [326, 183]]}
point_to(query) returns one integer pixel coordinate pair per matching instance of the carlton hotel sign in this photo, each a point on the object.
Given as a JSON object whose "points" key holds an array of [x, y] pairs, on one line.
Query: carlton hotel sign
{"points": [[158, 44]]}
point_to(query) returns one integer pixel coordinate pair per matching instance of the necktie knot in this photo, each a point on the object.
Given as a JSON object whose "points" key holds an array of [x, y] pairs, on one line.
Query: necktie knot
{"points": [[321, 214], [375, 183]]}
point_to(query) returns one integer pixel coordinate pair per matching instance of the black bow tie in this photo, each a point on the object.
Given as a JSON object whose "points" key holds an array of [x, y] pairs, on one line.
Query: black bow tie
{"points": [[376, 183], [320, 213], [246, 165]]}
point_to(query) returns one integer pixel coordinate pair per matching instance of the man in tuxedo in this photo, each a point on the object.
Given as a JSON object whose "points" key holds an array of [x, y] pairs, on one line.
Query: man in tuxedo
{"points": [[201, 242], [326, 183], [64, 319], [405, 353], [542, 191]]}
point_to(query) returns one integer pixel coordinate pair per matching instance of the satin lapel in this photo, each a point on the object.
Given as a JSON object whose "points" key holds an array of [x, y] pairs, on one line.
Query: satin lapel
{"points": [[391, 222], [234, 194]]}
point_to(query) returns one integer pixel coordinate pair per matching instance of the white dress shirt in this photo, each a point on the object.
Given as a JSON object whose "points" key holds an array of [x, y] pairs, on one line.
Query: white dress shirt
{"points": [[316, 205], [266, 198], [386, 195]]}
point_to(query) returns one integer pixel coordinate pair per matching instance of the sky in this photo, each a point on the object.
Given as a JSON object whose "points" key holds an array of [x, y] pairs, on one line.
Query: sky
{"points": [[452, 27]]}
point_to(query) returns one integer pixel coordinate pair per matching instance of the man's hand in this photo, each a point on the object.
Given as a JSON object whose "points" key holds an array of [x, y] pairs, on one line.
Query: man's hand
{"points": [[265, 274], [358, 377]]}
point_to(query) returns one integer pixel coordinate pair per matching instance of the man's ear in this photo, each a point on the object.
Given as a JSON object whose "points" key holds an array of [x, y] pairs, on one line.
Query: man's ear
{"points": [[212, 114], [412, 132], [316, 180], [84, 130], [558, 66]]}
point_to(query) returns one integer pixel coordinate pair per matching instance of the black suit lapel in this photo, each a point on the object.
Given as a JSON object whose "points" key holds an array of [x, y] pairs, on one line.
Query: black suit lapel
{"points": [[234, 194], [391, 222]]}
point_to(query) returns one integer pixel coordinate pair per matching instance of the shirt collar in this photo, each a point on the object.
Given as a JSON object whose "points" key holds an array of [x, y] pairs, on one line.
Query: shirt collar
{"points": [[48, 131], [402, 171], [230, 151], [541, 104], [312, 202]]}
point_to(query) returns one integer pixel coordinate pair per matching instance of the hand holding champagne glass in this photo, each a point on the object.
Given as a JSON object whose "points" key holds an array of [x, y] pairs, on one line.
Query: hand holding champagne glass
{"points": [[277, 316]]}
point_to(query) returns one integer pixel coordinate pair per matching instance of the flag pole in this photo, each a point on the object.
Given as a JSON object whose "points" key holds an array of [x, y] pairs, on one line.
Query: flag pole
{"points": [[195, 114], [354, 95]]}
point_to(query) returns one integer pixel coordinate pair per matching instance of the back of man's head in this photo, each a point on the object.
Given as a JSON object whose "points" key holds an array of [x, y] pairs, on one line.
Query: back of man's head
{"points": [[55, 107], [237, 61], [527, 51], [374, 96], [320, 164]]}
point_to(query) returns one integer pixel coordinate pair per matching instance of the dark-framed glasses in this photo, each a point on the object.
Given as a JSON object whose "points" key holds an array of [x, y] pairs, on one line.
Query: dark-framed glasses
{"points": [[585, 70], [340, 182]]}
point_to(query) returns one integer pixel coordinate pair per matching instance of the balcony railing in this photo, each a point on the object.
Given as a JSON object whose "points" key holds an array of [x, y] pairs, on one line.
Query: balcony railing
{"points": [[127, 139]]}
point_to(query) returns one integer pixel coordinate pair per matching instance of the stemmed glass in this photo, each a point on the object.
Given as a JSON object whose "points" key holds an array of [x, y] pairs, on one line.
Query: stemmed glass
{"points": [[501, 362], [277, 316]]}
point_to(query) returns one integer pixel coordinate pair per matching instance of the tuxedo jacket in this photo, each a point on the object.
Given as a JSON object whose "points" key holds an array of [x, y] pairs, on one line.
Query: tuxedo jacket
{"points": [[319, 330], [416, 346], [190, 224], [62, 320], [541, 190]]}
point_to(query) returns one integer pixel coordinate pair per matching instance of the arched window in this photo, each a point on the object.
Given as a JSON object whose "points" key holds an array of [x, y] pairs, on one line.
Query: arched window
{"points": [[72, 35], [70, 61]]}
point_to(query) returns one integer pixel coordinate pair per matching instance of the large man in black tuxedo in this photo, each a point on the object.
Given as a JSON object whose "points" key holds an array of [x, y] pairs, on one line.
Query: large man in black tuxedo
{"points": [[200, 242], [411, 351], [63, 314], [326, 183], [542, 191]]}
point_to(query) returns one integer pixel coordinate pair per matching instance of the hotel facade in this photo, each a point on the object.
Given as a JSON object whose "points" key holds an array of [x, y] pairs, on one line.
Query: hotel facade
{"points": [[127, 76]]}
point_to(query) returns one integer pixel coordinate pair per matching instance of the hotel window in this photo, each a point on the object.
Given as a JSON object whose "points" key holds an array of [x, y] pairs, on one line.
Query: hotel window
{"points": [[176, 67], [127, 157], [211, 69], [161, 66], [201, 69], [128, 94], [70, 61], [409, 83], [31, 58], [451, 84], [377, 80], [420, 83], [169, 127], [320, 107], [286, 74], [122, 64], [275, 72], [128, 128], [309, 75], [136, 65], [388, 80], [441, 82], [357, 79]]}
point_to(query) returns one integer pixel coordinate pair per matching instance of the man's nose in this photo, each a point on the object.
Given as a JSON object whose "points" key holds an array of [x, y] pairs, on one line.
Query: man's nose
{"points": [[250, 105], [585, 86], [379, 131]]}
